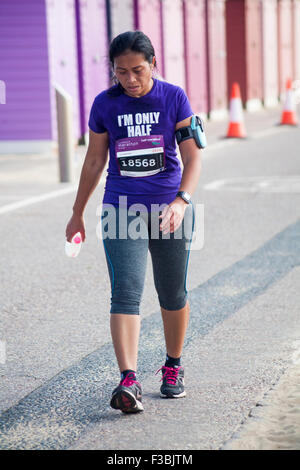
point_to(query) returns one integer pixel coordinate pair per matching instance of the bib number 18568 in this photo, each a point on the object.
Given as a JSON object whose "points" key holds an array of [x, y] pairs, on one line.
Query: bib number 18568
{"points": [[139, 162], [140, 156]]}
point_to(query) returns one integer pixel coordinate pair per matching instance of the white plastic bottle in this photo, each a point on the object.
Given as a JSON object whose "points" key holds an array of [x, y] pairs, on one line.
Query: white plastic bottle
{"points": [[73, 248]]}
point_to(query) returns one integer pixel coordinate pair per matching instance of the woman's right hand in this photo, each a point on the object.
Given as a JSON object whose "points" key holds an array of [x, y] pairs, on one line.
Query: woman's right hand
{"points": [[75, 224]]}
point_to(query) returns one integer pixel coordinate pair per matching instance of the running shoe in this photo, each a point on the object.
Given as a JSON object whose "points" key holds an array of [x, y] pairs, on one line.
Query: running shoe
{"points": [[127, 397], [173, 382]]}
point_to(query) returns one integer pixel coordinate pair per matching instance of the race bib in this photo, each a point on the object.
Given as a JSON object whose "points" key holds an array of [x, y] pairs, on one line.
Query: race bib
{"points": [[141, 156]]}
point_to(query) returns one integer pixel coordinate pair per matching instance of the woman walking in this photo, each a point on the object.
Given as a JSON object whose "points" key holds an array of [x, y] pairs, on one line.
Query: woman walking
{"points": [[136, 120]]}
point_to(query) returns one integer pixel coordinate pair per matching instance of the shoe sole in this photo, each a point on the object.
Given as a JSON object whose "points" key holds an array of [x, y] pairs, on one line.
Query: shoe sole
{"points": [[126, 402], [170, 395]]}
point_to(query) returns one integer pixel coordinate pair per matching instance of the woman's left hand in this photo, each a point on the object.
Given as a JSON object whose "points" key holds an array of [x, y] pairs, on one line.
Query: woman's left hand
{"points": [[172, 215]]}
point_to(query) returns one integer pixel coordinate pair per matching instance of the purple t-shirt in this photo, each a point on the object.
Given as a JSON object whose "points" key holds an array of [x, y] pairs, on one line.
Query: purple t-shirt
{"points": [[143, 163]]}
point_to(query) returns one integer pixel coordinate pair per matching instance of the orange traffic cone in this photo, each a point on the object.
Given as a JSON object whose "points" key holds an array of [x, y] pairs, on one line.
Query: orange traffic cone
{"points": [[236, 122], [289, 111]]}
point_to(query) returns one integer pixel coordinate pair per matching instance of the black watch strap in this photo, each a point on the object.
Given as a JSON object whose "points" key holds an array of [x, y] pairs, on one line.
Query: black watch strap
{"points": [[184, 195]]}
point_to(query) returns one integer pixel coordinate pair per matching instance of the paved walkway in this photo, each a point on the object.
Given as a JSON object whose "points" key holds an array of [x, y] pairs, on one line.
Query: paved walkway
{"points": [[63, 397]]}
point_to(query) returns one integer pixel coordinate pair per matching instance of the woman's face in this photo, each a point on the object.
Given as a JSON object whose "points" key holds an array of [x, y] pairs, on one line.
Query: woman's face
{"points": [[134, 73]]}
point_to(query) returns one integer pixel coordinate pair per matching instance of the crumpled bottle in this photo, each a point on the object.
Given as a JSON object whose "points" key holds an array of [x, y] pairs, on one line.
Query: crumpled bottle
{"points": [[73, 247]]}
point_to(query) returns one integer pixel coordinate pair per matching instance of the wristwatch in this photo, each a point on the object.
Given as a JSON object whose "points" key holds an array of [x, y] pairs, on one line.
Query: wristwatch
{"points": [[184, 195]]}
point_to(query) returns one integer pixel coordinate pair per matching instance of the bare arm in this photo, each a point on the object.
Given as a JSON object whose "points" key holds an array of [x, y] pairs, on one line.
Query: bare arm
{"points": [[94, 163], [191, 157], [92, 169]]}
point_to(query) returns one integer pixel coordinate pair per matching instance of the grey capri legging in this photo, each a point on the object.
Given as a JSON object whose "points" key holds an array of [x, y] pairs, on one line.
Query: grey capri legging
{"points": [[126, 238]]}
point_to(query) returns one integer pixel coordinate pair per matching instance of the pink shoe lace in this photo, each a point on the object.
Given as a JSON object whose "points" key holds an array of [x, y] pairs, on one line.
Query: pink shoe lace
{"points": [[129, 380], [171, 374]]}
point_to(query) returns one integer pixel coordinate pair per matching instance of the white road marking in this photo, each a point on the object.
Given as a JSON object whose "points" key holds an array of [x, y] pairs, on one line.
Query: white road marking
{"points": [[33, 200], [217, 184], [263, 184]]}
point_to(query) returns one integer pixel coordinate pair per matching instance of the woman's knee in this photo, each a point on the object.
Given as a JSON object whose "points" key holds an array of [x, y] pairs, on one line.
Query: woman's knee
{"points": [[126, 301]]}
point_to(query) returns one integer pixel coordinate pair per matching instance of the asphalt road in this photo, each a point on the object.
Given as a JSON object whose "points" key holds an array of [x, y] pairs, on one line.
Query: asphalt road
{"points": [[244, 293]]}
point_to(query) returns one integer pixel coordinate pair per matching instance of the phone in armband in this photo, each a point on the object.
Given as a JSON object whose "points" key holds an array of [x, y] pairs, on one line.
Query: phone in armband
{"points": [[194, 131]]}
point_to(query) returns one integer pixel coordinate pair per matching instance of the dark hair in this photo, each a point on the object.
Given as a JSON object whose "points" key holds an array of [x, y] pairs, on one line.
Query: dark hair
{"points": [[135, 41]]}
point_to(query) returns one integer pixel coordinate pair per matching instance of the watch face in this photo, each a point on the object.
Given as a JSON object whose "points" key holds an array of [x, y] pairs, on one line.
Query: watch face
{"points": [[186, 196]]}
